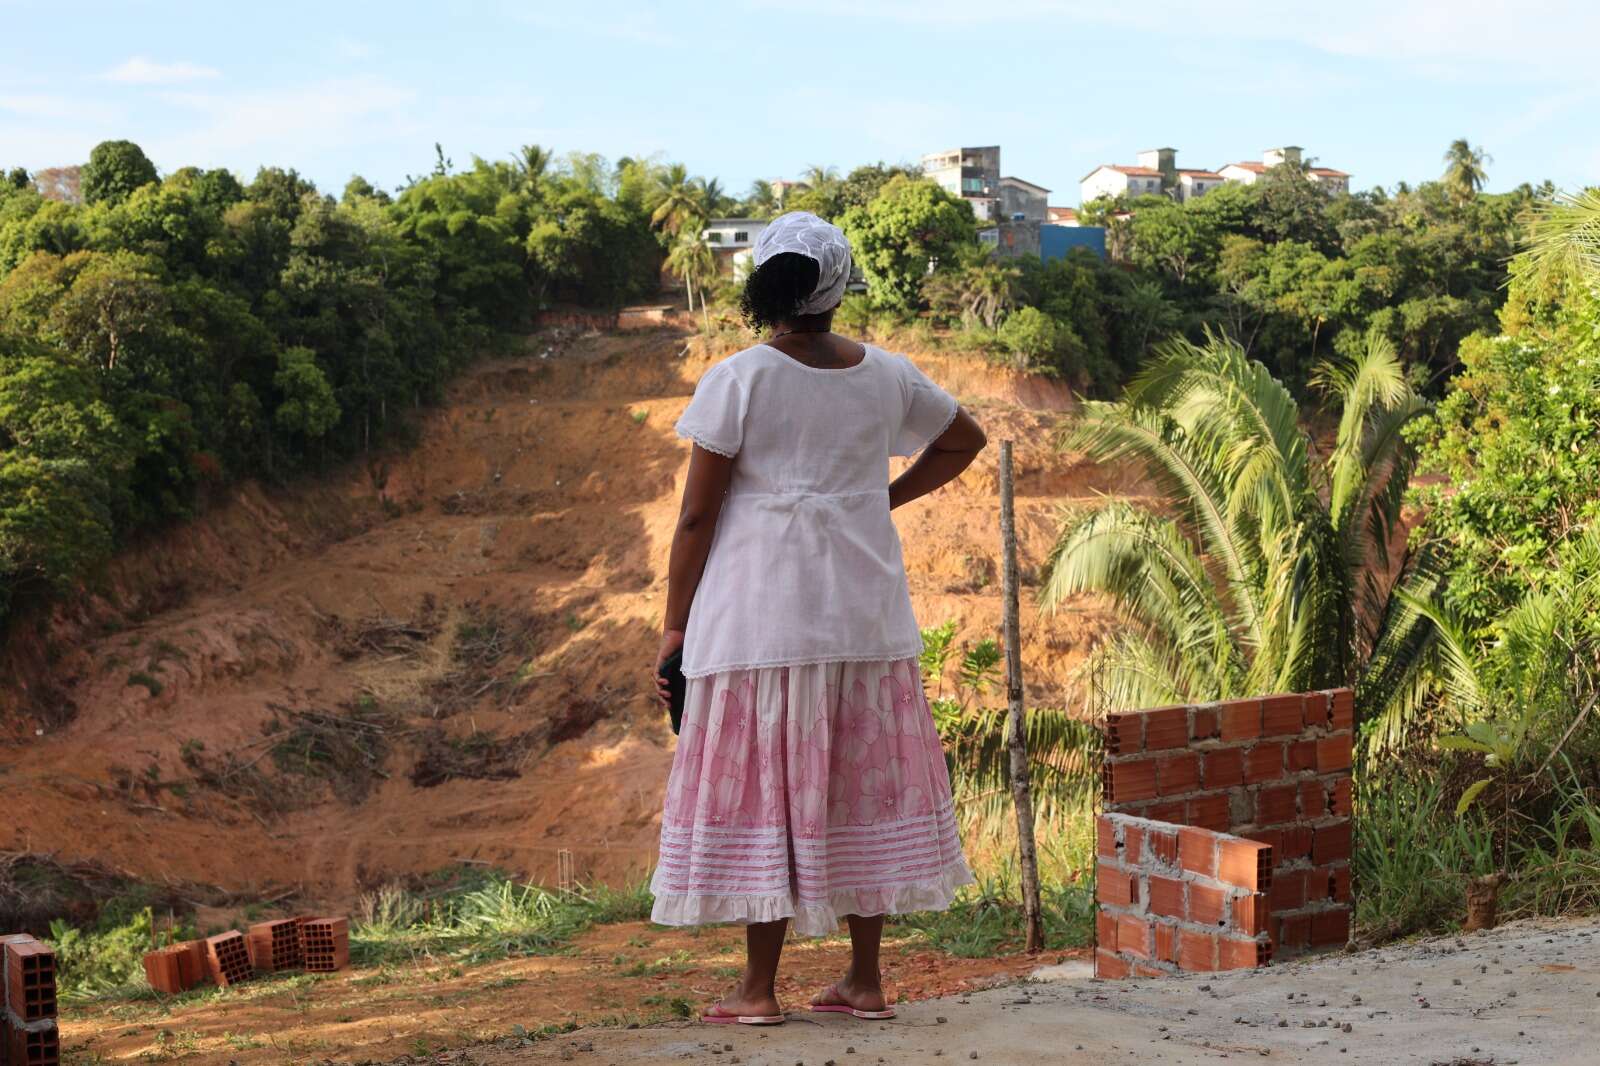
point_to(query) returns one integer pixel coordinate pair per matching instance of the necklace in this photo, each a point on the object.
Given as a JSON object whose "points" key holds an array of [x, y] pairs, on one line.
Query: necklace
{"points": [[788, 332]]}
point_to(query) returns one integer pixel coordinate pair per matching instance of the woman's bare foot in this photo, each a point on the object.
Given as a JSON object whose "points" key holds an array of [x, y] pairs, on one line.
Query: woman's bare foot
{"points": [[747, 1003], [852, 992]]}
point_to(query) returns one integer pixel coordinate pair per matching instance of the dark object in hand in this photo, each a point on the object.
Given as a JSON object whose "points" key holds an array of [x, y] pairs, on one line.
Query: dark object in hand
{"points": [[677, 686]]}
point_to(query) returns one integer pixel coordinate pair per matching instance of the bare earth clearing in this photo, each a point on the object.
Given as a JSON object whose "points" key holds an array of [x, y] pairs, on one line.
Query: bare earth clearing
{"points": [[1527, 993], [440, 657]]}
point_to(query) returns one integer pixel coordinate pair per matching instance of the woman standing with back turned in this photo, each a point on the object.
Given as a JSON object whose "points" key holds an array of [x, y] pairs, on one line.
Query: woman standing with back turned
{"points": [[809, 782]]}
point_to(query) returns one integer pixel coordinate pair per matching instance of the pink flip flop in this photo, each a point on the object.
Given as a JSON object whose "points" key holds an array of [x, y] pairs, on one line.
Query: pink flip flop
{"points": [[711, 1018], [845, 1008]]}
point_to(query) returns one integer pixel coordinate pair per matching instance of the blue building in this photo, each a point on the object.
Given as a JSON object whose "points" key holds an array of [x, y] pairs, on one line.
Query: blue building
{"points": [[1056, 241]]}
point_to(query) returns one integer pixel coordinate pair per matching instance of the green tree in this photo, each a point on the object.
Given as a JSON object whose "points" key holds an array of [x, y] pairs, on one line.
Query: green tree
{"points": [[1465, 169], [306, 406], [680, 202], [1033, 338], [693, 261], [1268, 568], [977, 285], [115, 169], [910, 227]]}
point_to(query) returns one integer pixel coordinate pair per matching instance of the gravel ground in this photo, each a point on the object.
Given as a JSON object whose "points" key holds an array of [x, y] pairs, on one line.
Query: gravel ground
{"points": [[1526, 993]]}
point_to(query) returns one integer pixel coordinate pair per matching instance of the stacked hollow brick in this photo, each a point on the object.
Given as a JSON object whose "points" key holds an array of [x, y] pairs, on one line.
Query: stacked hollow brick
{"points": [[325, 944], [28, 1032], [1178, 898], [1274, 770], [318, 944]]}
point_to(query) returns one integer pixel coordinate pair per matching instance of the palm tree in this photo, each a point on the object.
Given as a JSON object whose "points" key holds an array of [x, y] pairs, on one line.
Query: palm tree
{"points": [[979, 284], [693, 260], [761, 201], [1268, 570], [531, 162], [1464, 171], [679, 202], [1564, 239], [713, 201]]}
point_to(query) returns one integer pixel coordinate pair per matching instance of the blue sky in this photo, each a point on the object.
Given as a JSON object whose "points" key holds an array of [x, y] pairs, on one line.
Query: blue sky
{"points": [[741, 89]]}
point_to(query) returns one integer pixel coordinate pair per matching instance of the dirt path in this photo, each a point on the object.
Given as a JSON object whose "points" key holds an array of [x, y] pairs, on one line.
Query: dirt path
{"points": [[629, 973], [1527, 993]]}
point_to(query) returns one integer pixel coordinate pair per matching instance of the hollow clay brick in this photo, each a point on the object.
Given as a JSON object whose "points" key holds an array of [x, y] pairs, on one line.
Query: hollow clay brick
{"points": [[1240, 719], [1330, 927], [1250, 914], [1223, 768], [1333, 753], [1208, 905], [1209, 811], [1117, 888], [1197, 952], [1341, 709], [1166, 897], [1124, 734], [1277, 805], [1178, 774], [30, 969], [1236, 954], [1109, 965], [1302, 755], [1105, 929], [1244, 863], [1264, 762], [1281, 716], [1162, 844], [1131, 779], [1331, 844], [1166, 727], [1133, 936], [1203, 724], [1197, 851]]}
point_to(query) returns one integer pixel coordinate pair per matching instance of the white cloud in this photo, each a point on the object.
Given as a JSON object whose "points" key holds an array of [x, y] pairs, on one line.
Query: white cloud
{"points": [[142, 71], [1546, 40]]}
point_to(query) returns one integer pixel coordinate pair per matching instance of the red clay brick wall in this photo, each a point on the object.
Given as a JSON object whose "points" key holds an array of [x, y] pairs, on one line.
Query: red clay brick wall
{"points": [[1178, 898], [1275, 770]]}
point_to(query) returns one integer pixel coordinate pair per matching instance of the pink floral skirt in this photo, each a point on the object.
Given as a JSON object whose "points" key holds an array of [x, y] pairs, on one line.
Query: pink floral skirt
{"points": [[807, 792]]}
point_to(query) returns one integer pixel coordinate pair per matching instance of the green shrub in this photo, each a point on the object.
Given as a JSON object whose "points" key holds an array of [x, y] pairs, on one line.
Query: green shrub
{"points": [[1033, 338]]}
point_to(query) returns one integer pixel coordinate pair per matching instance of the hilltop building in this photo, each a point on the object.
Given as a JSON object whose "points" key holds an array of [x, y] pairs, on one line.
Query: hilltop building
{"points": [[1023, 201], [970, 173], [1246, 173], [1157, 173], [731, 239]]}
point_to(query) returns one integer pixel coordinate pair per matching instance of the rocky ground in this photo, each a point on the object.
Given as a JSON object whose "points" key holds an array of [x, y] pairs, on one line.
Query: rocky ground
{"points": [[1526, 993]]}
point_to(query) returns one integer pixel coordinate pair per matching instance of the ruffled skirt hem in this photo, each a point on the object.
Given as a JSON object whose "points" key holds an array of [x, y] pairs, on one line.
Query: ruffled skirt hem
{"points": [[810, 918]]}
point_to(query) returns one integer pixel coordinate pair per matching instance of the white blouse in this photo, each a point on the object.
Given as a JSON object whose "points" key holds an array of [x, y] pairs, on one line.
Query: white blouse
{"points": [[805, 563]]}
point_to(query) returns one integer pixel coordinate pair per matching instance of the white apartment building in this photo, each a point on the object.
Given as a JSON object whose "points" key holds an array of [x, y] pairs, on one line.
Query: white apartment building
{"points": [[1157, 172]]}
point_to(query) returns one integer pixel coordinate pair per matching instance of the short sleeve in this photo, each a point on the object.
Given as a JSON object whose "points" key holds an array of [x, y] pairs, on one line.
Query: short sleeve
{"points": [[929, 410], [714, 418]]}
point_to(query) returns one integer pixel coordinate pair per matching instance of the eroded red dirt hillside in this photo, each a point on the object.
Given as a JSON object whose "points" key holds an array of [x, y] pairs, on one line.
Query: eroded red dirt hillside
{"points": [[441, 655]]}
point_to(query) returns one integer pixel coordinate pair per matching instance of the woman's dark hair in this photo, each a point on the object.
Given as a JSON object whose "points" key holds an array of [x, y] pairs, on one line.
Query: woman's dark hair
{"points": [[775, 290]]}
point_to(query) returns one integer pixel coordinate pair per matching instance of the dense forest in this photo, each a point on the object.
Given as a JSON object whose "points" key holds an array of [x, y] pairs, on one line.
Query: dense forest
{"points": [[163, 335]]}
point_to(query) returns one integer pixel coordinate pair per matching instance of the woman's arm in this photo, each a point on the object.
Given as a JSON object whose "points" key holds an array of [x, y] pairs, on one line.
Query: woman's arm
{"points": [[707, 484], [940, 462]]}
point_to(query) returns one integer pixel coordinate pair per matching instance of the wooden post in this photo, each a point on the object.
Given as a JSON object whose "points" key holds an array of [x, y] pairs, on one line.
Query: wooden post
{"points": [[1016, 739]]}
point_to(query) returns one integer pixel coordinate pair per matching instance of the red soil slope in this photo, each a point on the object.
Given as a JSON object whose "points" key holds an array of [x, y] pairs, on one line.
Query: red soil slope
{"points": [[453, 640]]}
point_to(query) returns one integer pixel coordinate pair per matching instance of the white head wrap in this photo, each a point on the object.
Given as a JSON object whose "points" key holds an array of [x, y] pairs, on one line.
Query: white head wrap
{"points": [[805, 234]]}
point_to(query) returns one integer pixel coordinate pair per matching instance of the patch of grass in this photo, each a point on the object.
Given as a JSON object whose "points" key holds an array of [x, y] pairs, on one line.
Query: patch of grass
{"points": [[677, 962], [1412, 855], [484, 918]]}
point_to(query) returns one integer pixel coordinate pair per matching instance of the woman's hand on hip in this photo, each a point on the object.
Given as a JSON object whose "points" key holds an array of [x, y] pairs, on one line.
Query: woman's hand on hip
{"points": [[671, 641]]}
